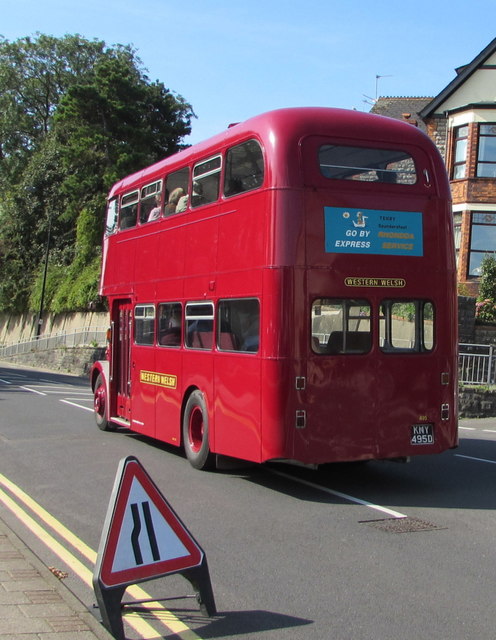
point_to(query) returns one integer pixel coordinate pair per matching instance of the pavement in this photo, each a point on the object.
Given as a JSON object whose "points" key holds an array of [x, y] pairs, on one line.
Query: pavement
{"points": [[34, 603]]}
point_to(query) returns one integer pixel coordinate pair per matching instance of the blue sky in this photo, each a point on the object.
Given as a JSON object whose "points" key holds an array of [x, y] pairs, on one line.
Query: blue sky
{"points": [[233, 59]]}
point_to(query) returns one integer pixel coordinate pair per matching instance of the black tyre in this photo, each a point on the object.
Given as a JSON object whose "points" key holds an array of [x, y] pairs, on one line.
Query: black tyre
{"points": [[100, 400], [195, 432]]}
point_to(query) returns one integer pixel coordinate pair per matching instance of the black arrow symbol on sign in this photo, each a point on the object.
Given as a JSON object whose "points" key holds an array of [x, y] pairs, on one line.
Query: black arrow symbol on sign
{"points": [[138, 556]]}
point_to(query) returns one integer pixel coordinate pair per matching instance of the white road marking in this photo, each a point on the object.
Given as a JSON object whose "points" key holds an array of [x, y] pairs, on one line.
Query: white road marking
{"points": [[79, 406], [344, 496], [40, 393], [459, 455]]}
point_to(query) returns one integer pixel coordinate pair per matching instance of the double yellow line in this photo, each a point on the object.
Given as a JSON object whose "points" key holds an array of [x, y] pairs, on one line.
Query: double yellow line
{"points": [[156, 609]]}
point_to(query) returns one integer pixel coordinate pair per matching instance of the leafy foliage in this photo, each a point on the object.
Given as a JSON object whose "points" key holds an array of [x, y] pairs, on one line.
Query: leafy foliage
{"points": [[485, 307], [75, 116]]}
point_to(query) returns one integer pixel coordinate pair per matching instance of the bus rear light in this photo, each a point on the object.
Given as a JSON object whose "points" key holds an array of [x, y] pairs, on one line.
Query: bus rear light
{"points": [[301, 383], [301, 419], [445, 378], [445, 412]]}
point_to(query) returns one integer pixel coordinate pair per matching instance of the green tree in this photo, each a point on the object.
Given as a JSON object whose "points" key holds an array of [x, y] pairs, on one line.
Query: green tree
{"points": [[34, 74], [486, 301], [75, 116]]}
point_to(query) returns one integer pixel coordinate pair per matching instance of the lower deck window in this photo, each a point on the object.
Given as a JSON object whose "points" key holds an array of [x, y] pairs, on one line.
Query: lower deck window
{"points": [[144, 324], [344, 326], [200, 325], [238, 327], [406, 325], [169, 324], [341, 326]]}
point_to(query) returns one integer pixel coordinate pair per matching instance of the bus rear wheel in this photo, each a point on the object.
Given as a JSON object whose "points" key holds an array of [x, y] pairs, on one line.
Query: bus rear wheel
{"points": [[100, 405], [195, 432]]}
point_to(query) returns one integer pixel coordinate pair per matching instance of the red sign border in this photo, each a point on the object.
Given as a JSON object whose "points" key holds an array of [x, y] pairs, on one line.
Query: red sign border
{"points": [[132, 469]]}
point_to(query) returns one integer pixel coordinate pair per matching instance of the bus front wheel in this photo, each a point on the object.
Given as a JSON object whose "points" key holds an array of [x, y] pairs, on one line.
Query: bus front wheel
{"points": [[100, 405], [195, 432]]}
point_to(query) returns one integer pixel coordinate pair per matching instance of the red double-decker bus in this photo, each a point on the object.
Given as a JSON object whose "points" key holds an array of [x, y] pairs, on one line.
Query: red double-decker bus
{"points": [[285, 291]]}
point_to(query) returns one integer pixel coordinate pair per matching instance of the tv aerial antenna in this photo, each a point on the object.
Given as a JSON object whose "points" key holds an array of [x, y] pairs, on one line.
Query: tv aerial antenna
{"points": [[371, 100]]}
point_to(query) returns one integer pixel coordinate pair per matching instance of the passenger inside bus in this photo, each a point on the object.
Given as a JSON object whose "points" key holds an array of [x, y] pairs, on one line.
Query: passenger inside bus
{"points": [[155, 212], [182, 204], [172, 204], [197, 198]]}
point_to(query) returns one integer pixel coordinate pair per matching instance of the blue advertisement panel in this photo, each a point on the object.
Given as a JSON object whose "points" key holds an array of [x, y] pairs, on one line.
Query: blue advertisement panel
{"points": [[373, 231]]}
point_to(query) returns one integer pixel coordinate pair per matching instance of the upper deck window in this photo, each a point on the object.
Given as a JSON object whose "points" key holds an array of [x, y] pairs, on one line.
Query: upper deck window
{"points": [[340, 162], [112, 211], [129, 210], [176, 191], [244, 168], [151, 202], [206, 180]]}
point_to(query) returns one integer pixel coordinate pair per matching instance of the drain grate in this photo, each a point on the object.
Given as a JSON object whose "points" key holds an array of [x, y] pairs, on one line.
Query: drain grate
{"points": [[402, 525]]}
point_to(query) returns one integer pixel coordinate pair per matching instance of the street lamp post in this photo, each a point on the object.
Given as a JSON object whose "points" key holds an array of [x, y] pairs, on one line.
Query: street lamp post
{"points": [[43, 284]]}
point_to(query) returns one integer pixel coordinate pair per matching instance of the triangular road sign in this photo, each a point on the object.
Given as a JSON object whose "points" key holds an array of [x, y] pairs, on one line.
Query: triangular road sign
{"points": [[142, 537]]}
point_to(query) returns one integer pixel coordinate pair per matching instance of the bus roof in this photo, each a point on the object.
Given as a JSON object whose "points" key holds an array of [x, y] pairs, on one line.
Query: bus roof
{"points": [[291, 123]]}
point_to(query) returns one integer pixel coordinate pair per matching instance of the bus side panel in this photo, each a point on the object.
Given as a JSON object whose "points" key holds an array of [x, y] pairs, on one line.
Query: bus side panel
{"points": [[143, 389], [278, 372], [169, 395], [237, 406], [278, 411], [243, 233], [147, 258], [200, 249], [121, 281], [169, 360]]}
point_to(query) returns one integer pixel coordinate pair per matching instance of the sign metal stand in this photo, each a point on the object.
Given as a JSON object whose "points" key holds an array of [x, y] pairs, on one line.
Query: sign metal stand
{"points": [[143, 539]]}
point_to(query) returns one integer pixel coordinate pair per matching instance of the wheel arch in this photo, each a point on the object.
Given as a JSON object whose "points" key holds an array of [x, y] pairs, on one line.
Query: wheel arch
{"points": [[100, 367], [186, 396]]}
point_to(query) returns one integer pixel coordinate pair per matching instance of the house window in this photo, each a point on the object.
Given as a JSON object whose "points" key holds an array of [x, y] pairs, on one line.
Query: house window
{"points": [[457, 227], [482, 240], [460, 135], [486, 157]]}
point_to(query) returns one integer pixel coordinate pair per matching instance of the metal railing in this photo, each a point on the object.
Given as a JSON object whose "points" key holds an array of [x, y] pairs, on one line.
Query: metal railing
{"points": [[91, 336], [476, 364]]}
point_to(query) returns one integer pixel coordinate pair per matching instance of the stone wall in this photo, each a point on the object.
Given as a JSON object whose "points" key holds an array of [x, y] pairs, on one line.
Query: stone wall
{"points": [[75, 360], [477, 403], [19, 328]]}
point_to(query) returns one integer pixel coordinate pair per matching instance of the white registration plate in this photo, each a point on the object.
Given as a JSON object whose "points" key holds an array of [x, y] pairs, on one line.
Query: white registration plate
{"points": [[422, 434]]}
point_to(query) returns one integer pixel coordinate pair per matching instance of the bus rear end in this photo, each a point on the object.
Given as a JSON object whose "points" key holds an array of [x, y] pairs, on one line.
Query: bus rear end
{"points": [[374, 296]]}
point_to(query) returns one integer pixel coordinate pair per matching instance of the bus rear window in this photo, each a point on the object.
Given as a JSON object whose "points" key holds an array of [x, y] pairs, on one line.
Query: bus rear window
{"points": [[341, 326], [406, 325], [340, 162]]}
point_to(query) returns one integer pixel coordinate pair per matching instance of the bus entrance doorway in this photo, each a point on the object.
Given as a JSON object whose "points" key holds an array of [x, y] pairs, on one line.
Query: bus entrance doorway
{"points": [[121, 361]]}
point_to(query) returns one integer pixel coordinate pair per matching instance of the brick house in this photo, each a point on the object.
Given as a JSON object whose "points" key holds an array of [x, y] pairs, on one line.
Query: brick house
{"points": [[461, 120]]}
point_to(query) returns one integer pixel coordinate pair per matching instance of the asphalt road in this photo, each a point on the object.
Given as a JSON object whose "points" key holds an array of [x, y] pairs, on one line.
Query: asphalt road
{"points": [[379, 550]]}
